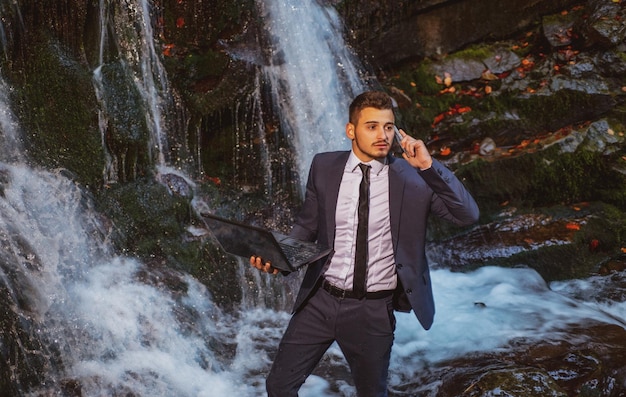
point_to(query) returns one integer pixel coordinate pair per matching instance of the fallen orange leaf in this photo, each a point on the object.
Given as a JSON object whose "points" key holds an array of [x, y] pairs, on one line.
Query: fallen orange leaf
{"points": [[167, 49], [572, 226], [438, 119], [216, 180], [180, 22], [445, 151]]}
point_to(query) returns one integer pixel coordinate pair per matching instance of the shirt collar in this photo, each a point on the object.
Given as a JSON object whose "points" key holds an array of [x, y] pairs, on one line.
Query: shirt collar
{"points": [[377, 165]]}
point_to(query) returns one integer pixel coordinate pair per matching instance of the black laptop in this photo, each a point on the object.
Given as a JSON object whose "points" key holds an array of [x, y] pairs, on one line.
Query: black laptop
{"points": [[283, 252]]}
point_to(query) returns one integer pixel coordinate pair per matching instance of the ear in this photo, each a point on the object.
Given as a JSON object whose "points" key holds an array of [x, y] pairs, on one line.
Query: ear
{"points": [[350, 131]]}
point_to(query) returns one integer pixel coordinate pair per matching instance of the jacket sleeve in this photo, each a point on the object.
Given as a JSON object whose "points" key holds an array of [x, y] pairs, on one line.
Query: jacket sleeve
{"points": [[451, 200]]}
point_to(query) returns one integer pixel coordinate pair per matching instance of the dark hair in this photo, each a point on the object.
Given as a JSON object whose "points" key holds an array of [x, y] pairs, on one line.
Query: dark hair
{"points": [[369, 99]]}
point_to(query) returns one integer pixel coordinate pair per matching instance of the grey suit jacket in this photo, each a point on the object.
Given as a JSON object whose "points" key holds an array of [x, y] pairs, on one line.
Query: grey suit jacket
{"points": [[413, 195]]}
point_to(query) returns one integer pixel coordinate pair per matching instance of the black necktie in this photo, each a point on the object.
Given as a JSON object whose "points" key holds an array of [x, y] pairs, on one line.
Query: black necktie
{"points": [[360, 260]]}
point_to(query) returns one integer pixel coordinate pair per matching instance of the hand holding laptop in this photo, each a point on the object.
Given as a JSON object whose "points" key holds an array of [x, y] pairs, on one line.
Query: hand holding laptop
{"points": [[283, 254], [257, 262]]}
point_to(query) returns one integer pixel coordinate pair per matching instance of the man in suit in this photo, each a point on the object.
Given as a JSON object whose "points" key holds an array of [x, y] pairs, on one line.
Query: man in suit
{"points": [[338, 301]]}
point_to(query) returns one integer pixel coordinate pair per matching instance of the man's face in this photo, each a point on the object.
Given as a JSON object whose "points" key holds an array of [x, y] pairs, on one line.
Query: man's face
{"points": [[372, 135]]}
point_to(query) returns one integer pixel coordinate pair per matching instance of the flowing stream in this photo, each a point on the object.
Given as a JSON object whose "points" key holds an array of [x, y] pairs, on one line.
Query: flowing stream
{"points": [[115, 326]]}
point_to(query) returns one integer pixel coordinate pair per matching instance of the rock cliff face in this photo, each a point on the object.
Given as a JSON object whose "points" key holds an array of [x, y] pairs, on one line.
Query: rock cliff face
{"points": [[399, 30]]}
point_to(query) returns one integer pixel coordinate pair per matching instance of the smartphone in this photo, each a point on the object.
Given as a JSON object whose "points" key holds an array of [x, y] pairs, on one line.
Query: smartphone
{"points": [[398, 139]]}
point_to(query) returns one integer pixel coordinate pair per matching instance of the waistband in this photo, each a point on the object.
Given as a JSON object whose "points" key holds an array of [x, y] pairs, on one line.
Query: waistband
{"points": [[349, 294]]}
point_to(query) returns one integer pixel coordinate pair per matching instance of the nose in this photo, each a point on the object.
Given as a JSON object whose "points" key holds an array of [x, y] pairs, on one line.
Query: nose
{"points": [[381, 133]]}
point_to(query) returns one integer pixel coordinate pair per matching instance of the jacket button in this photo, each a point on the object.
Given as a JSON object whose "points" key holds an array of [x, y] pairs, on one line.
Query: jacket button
{"points": [[409, 291]]}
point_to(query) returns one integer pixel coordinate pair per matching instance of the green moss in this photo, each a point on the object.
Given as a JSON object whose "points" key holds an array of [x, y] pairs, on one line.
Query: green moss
{"points": [[59, 113], [145, 214], [416, 80], [542, 179], [419, 83], [476, 52]]}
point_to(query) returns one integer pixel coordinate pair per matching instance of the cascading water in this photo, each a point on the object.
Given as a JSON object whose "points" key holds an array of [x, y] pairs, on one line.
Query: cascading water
{"points": [[107, 324], [10, 145], [313, 75], [95, 323], [138, 64]]}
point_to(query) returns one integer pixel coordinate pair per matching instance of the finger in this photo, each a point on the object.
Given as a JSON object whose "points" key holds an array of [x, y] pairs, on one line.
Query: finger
{"points": [[256, 262], [267, 268], [410, 149]]}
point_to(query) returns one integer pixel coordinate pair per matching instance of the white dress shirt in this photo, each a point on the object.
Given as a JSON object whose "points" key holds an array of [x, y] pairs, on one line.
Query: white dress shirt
{"points": [[381, 273]]}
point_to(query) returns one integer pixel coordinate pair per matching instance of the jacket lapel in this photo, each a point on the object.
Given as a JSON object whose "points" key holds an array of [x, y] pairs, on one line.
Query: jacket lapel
{"points": [[332, 194], [396, 192]]}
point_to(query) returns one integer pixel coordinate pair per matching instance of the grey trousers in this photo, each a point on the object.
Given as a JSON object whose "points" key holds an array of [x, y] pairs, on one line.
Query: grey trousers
{"points": [[363, 330]]}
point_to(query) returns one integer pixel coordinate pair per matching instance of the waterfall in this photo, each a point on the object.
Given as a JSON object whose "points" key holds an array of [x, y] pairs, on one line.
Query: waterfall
{"points": [[141, 64], [10, 144], [312, 73], [107, 322]]}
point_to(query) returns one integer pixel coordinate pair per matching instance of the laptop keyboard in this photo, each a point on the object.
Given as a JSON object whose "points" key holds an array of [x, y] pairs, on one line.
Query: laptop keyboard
{"points": [[298, 253]]}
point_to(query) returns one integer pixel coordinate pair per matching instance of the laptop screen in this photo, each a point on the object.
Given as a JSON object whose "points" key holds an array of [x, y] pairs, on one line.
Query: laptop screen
{"points": [[246, 240]]}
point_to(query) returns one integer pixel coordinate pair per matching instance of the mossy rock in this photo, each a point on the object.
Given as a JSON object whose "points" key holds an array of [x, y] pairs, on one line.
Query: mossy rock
{"points": [[57, 106]]}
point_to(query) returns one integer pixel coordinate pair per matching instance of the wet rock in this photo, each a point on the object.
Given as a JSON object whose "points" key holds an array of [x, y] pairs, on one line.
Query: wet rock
{"points": [[526, 382], [487, 147], [397, 31], [582, 68], [605, 26], [594, 85], [502, 60], [460, 69], [610, 63], [571, 142], [177, 185], [589, 362], [558, 29], [602, 138]]}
